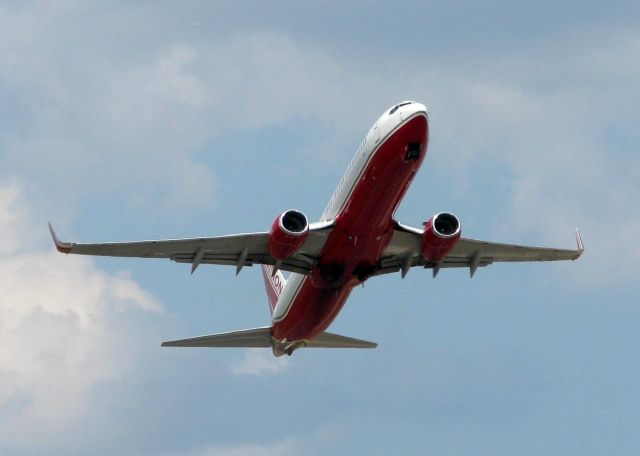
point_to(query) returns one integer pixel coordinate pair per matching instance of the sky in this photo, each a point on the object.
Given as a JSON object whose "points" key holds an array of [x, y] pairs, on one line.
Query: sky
{"points": [[149, 120]]}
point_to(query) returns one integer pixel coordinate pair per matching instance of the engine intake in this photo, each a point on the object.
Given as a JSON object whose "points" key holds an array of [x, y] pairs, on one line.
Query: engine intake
{"points": [[288, 232], [441, 233]]}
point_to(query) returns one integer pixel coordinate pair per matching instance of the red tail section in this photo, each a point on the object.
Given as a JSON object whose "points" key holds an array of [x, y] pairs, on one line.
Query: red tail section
{"points": [[274, 283]]}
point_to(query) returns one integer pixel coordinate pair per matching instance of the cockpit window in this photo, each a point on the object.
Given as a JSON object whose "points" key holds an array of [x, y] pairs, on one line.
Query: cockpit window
{"points": [[395, 108]]}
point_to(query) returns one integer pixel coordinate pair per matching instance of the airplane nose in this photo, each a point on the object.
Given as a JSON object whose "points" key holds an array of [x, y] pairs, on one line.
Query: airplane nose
{"points": [[406, 109], [400, 105], [398, 114]]}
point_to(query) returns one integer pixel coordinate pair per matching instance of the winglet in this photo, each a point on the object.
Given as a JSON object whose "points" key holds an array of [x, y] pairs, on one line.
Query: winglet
{"points": [[580, 245], [63, 247]]}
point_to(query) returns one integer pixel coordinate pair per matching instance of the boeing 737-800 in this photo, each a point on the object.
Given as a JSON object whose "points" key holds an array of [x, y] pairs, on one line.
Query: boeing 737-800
{"points": [[357, 237]]}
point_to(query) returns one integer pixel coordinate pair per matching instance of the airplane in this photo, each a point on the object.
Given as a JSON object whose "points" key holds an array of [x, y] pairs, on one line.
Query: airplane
{"points": [[356, 238]]}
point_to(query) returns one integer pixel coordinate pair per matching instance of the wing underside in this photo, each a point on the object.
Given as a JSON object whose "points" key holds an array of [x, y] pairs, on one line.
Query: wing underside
{"points": [[237, 250], [404, 252]]}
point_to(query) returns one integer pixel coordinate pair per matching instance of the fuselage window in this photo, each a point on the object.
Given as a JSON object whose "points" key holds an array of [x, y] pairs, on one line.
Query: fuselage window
{"points": [[395, 108]]}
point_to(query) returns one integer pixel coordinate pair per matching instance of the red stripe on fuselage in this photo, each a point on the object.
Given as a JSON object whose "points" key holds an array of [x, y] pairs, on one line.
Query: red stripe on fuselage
{"points": [[273, 293], [362, 230]]}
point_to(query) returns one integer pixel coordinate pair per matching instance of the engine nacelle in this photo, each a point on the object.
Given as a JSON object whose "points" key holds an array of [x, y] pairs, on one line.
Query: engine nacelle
{"points": [[288, 232], [441, 233]]}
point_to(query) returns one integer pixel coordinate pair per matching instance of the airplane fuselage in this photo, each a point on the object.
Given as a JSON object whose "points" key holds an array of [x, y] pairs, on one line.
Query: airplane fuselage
{"points": [[361, 209], [357, 237]]}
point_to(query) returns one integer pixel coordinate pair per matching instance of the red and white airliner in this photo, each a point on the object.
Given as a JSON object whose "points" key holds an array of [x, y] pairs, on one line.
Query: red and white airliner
{"points": [[357, 237]]}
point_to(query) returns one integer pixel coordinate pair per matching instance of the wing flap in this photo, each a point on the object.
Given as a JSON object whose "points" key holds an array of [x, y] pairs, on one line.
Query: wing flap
{"points": [[392, 265], [297, 263]]}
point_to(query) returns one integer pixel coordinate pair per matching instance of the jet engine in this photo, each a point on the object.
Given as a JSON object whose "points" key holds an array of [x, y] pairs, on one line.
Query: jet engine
{"points": [[288, 232], [441, 233]]}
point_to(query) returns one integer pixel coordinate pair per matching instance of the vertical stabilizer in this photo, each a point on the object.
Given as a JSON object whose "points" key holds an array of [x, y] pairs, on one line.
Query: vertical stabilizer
{"points": [[274, 283]]}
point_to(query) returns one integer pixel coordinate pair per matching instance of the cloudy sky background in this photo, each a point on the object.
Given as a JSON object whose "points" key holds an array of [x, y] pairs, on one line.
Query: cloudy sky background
{"points": [[163, 119]]}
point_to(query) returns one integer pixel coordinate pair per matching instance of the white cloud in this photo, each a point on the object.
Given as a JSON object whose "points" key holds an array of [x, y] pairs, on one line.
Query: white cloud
{"points": [[12, 219], [101, 117], [175, 76], [259, 362], [59, 333]]}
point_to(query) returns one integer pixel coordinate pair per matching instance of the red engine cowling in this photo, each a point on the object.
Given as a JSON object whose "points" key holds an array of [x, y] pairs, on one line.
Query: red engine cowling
{"points": [[288, 232], [441, 233]]}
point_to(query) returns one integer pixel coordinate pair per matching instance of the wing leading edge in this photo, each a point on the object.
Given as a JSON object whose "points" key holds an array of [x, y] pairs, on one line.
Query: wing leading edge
{"points": [[404, 252], [237, 250]]}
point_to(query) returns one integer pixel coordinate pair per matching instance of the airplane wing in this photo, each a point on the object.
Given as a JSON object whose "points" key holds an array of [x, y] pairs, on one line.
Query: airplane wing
{"points": [[404, 252], [237, 250]]}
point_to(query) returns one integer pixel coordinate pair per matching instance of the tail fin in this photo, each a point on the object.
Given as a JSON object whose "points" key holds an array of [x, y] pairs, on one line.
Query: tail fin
{"points": [[274, 283]]}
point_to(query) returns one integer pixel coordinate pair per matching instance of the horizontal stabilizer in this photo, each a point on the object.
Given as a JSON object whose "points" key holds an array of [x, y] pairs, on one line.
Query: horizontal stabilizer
{"points": [[329, 340], [257, 337], [261, 338]]}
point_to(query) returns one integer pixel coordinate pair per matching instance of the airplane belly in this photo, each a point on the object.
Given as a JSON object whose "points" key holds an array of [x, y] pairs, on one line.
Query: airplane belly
{"points": [[362, 230], [364, 226], [310, 312]]}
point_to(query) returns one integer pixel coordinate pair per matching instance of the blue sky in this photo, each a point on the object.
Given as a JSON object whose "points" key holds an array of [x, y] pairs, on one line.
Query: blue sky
{"points": [[176, 119]]}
